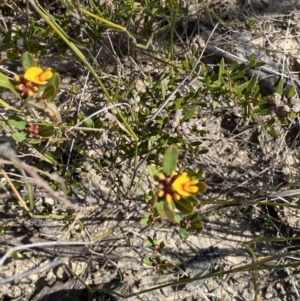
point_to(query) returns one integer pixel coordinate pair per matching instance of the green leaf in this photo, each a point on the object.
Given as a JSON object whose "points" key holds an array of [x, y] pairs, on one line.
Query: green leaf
{"points": [[7, 106], [14, 255], [202, 187], [170, 160], [146, 219], [217, 84], [88, 123], [148, 261], [292, 92], [233, 66], [193, 217], [7, 83], [34, 141], [196, 143], [178, 219], [279, 88], [252, 60], [263, 110], [251, 23], [5, 126], [159, 206], [163, 267], [159, 272], [273, 133], [188, 113], [221, 70], [198, 226], [19, 137], [17, 122], [185, 206], [6, 46], [28, 61], [203, 151], [270, 122], [184, 234], [150, 241], [153, 172], [240, 87], [47, 131], [293, 115], [177, 104], [169, 210], [193, 200], [49, 93], [49, 158], [199, 173], [161, 247], [54, 81], [252, 84], [163, 91], [259, 64]]}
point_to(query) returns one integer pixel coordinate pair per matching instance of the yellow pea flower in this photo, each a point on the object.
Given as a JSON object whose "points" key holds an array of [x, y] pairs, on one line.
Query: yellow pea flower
{"points": [[165, 188], [184, 185], [175, 186], [37, 75]]}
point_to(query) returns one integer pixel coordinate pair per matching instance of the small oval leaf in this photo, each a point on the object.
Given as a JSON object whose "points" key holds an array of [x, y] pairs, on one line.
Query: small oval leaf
{"points": [[19, 137], [7, 83], [55, 81], [28, 61], [153, 172], [47, 131], [169, 210], [49, 93], [185, 206], [17, 122], [170, 160], [159, 206], [202, 187]]}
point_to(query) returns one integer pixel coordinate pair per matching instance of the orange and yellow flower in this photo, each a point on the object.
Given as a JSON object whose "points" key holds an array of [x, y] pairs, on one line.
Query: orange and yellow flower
{"points": [[175, 186], [28, 85], [184, 185], [37, 75]]}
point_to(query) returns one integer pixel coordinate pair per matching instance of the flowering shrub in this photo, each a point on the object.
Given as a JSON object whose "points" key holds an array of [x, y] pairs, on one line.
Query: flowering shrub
{"points": [[175, 186], [175, 193], [28, 84], [37, 88]]}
